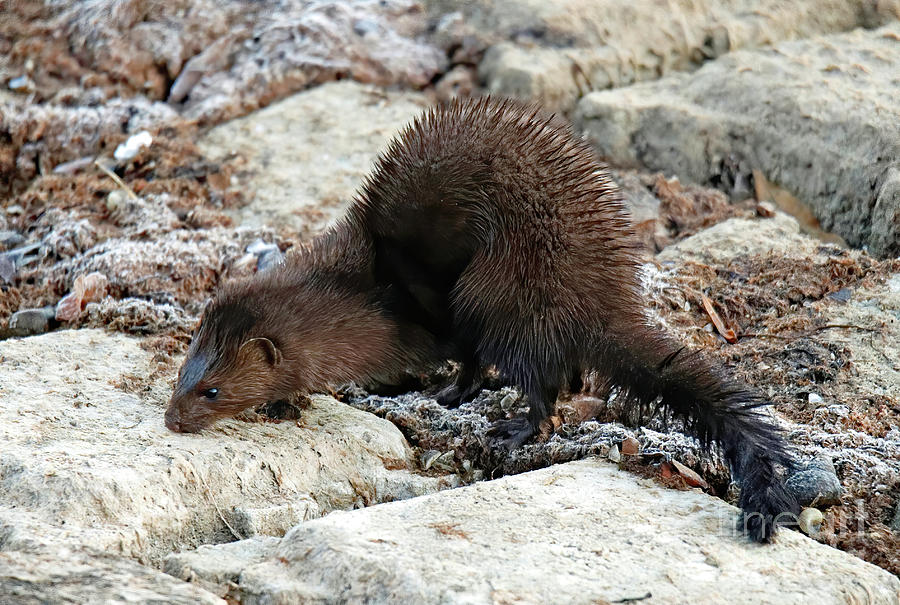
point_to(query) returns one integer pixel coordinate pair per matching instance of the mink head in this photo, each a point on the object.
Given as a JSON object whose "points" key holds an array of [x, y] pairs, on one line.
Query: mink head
{"points": [[231, 365]]}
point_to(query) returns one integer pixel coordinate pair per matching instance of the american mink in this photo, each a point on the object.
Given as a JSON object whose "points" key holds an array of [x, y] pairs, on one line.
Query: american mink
{"points": [[488, 234]]}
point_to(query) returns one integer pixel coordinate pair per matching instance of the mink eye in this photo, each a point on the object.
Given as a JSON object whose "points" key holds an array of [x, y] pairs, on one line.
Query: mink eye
{"points": [[210, 394]]}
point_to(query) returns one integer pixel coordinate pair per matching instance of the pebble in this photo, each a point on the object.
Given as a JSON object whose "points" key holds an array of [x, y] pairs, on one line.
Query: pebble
{"points": [[815, 398], [810, 521], [364, 27], [428, 458], [631, 446], [895, 522], [28, 322], [509, 400], [614, 454], [269, 259], [842, 295], [817, 484], [11, 239], [690, 477], [21, 84], [765, 209], [267, 254], [116, 199], [7, 269], [86, 289]]}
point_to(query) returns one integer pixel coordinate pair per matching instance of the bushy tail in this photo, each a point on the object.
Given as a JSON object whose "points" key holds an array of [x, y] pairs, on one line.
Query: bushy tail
{"points": [[656, 375]]}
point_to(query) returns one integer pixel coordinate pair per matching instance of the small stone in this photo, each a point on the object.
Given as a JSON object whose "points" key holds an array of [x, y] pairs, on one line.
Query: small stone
{"points": [[631, 446], [364, 27], [11, 239], [444, 462], [895, 522], [815, 486], [822, 463], [765, 209], [21, 84], [689, 476], [614, 454], [28, 322], [267, 255], [7, 269], [842, 295], [428, 458], [458, 82], [86, 289], [116, 199], [810, 521], [68, 307], [92, 287], [815, 399], [269, 259], [508, 401]]}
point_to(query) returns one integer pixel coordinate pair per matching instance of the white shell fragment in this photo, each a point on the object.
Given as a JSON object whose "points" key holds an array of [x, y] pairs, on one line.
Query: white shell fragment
{"points": [[130, 148], [810, 520]]}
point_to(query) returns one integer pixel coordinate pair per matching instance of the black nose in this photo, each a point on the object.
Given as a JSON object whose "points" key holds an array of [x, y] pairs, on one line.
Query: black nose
{"points": [[173, 420]]}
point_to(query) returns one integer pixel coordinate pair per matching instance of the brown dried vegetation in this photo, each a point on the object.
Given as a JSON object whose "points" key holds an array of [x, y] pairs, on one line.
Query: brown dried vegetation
{"points": [[778, 306]]}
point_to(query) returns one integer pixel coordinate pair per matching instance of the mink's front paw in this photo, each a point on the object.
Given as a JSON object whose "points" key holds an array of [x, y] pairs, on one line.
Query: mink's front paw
{"points": [[510, 434]]}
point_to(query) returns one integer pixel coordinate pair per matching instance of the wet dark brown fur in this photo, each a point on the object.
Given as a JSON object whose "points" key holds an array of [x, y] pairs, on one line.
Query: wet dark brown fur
{"points": [[487, 234]]}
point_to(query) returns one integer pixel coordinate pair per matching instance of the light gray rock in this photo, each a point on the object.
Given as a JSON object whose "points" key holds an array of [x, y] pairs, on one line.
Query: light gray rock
{"points": [[67, 574], [815, 487], [308, 153], [218, 567], [721, 243], [86, 459], [10, 239], [28, 322], [558, 51], [582, 532], [811, 115]]}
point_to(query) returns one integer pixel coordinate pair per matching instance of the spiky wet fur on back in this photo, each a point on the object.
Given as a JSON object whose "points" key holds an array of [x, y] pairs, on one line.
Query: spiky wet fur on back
{"points": [[540, 272]]}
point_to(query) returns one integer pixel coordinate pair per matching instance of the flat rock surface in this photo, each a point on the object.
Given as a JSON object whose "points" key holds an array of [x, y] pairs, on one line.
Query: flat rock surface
{"points": [[558, 51], [304, 157], [86, 458], [582, 532], [73, 575], [816, 116], [307, 154]]}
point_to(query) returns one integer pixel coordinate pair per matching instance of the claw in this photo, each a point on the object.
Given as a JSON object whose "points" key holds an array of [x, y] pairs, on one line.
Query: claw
{"points": [[452, 396], [449, 397], [508, 435]]}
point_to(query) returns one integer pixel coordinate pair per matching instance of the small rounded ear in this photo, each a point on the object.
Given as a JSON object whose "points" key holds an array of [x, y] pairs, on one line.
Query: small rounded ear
{"points": [[273, 353]]}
